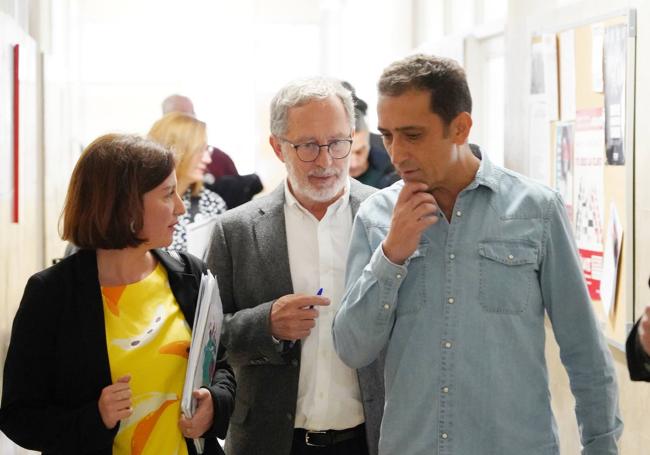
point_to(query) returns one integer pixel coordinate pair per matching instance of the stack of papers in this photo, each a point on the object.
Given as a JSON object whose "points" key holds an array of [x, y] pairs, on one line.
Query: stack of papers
{"points": [[206, 331]]}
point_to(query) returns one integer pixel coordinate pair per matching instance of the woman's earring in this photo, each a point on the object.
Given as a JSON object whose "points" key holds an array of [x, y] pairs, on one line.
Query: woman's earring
{"points": [[132, 226]]}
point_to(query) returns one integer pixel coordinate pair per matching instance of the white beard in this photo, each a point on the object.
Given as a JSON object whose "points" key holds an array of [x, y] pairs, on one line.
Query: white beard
{"points": [[300, 183]]}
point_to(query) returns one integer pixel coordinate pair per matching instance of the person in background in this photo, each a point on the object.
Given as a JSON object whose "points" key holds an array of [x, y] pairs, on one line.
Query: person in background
{"points": [[362, 167], [451, 271], [186, 136], [279, 260], [221, 176], [369, 162], [98, 351], [221, 163]]}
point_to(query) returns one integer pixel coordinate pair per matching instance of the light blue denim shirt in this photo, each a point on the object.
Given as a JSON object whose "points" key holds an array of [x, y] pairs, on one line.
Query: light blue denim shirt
{"points": [[462, 323]]}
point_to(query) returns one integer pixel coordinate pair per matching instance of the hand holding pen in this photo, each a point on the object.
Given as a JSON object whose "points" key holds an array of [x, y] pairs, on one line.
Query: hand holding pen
{"points": [[294, 315], [319, 292]]}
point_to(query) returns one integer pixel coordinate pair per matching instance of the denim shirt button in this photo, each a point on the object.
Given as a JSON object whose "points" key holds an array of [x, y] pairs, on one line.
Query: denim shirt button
{"points": [[447, 344], [445, 390], [398, 276], [511, 257], [386, 306], [444, 436], [450, 300], [452, 256], [459, 213]]}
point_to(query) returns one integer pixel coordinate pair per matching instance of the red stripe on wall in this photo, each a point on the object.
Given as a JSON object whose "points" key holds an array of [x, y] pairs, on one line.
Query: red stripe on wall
{"points": [[16, 138]]}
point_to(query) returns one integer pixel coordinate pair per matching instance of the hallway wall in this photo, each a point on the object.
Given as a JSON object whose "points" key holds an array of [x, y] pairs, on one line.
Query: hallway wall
{"points": [[525, 17]]}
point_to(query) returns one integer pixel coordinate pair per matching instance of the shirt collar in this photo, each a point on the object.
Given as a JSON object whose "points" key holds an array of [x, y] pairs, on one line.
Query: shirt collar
{"points": [[486, 174], [340, 204]]}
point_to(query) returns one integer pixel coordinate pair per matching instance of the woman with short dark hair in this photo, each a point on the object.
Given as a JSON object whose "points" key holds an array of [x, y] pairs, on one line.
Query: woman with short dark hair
{"points": [[99, 344]]}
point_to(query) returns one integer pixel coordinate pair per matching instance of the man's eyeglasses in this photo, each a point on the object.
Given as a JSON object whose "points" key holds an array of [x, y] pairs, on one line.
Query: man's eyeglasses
{"points": [[309, 151]]}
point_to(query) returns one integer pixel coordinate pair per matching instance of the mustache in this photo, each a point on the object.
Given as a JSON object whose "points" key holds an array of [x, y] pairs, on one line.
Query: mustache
{"points": [[323, 172]]}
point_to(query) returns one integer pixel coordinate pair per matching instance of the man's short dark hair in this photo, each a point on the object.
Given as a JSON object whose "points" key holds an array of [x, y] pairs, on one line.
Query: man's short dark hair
{"points": [[104, 205], [444, 78], [360, 121]]}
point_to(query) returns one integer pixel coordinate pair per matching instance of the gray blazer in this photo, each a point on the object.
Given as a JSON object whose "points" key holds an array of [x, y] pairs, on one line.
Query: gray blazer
{"points": [[249, 255]]}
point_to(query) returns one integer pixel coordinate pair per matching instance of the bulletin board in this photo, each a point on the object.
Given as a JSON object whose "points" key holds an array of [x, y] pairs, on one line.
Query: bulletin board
{"points": [[582, 94]]}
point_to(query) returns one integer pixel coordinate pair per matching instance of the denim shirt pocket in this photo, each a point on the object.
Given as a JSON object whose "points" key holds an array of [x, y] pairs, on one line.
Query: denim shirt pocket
{"points": [[507, 271]]}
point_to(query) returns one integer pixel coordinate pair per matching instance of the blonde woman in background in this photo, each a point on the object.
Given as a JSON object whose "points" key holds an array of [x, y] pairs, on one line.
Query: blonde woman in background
{"points": [[186, 136]]}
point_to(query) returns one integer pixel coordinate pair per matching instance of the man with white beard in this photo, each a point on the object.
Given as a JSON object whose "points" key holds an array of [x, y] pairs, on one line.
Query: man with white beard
{"points": [[280, 263]]}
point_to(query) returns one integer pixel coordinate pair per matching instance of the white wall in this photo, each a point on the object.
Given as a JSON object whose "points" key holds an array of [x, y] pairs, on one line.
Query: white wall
{"points": [[21, 244]]}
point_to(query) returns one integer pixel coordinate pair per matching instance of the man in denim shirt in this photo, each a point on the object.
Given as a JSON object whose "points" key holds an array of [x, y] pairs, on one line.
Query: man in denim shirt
{"points": [[451, 273]]}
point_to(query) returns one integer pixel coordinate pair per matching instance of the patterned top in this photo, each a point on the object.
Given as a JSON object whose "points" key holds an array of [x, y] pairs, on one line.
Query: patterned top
{"points": [[148, 338], [206, 204]]}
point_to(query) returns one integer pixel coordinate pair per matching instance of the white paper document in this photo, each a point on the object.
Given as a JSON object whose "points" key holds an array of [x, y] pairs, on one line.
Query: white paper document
{"points": [[206, 331], [567, 75]]}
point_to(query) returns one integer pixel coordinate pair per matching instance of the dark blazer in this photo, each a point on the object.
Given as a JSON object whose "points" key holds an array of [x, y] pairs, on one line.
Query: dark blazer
{"points": [[638, 362], [57, 363], [249, 255]]}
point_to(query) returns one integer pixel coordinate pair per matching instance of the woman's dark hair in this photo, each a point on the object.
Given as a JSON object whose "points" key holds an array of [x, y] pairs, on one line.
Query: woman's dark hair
{"points": [[104, 205]]}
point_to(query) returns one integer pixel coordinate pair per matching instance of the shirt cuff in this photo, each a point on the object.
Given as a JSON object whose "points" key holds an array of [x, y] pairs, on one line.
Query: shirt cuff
{"points": [[282, 346], [385, 270], [389, 278]]}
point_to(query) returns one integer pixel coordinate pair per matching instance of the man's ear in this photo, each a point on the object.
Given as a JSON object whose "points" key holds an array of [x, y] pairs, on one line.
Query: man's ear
{"points": [[460, 128], [277, 147]]}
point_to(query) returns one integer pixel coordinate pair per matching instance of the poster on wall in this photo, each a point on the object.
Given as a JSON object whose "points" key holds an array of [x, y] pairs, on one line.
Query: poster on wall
{"points": [[589, 197], [567, 75], [544, 79], [597, 33], [564, 166], [614, 62], [537, 82]]}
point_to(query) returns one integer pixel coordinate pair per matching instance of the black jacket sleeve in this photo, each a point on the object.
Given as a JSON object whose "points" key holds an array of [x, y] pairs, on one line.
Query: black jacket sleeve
{"points": [[638, 361], [30, 415]]}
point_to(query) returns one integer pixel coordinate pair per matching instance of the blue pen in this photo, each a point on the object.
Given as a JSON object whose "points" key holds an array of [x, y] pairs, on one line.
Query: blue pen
{"points": [[320, 292]]}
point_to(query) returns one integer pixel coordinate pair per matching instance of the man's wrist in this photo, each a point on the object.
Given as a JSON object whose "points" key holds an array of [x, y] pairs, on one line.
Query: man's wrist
{"points": [[389, 257]]}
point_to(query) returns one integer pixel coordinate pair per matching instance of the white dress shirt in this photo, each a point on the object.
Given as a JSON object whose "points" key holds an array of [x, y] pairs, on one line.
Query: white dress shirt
{"points": [[328, 391]]}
